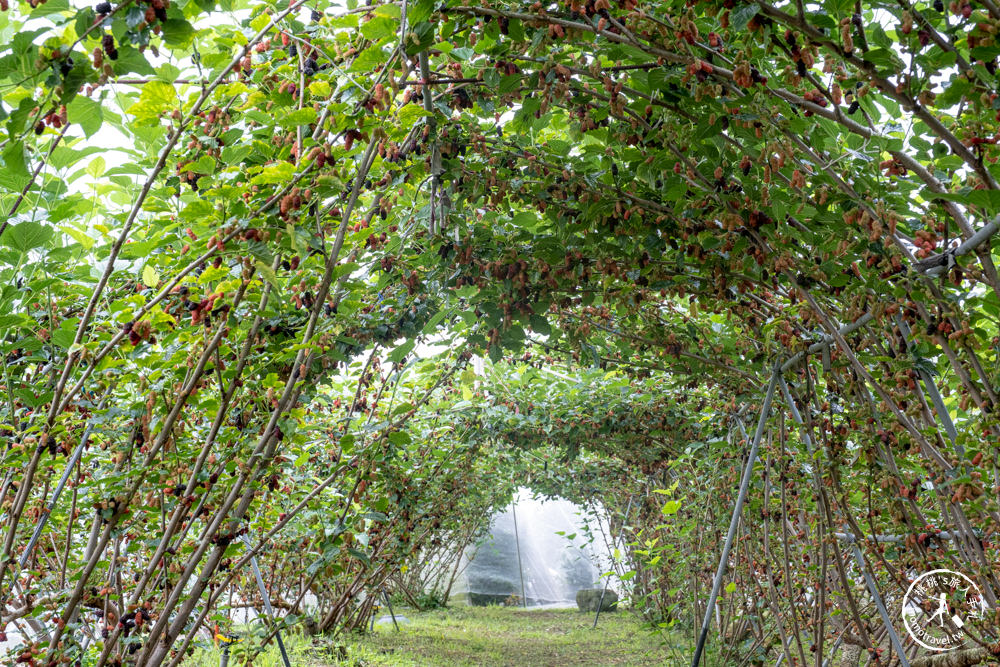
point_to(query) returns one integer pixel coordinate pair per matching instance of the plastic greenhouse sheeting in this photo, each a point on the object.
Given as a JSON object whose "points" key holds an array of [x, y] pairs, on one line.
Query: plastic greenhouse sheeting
{"points": [[561, 547]]}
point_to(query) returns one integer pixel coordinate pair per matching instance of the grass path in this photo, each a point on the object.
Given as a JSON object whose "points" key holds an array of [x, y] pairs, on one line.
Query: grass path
{"points": [[505, 637], [474, 637]]}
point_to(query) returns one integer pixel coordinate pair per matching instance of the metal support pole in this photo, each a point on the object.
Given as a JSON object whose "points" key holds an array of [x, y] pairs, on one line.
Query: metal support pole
{"points": [[267, 601], [388, 603], [833, 651], [882, 611], [433, 224], [858, 558], [949, 427], [939, 406], [765, 412], [73, 460], [818, 347], [517, 543], [600, 605]]}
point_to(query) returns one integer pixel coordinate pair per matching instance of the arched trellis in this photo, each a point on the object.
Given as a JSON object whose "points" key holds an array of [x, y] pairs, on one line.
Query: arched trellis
{"points": [[846, 532], [749, 150]]}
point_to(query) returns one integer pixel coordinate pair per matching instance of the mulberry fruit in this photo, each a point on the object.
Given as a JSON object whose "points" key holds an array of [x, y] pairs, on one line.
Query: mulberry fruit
{"points": [[109, 47]]}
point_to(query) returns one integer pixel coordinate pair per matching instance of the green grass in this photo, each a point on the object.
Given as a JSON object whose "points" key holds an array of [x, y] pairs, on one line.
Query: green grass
{"points": [[301, 651], [480, 637], [501, 636]]}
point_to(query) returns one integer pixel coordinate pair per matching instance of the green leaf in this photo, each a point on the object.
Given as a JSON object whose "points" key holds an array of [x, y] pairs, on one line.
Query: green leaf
{"points": [[987, 199], [64, 335], [134, 15], [14, 173], [268, 273], [96, 167], [882, 58], [258, 22], [738, 19], [731, 587], [496, 353], [425, 37], [320, 89], [433, 323], [199, 209], [84, 19], [410, 114], [203, 165], [400, 352], [400, 438], [80, 237], [360, 555], [953, 93], [50, 7], [85, 112], [168, 73], [26, 236], [392, 11], [368, 59], [540, 325], [131, 61], [298, 117], [177, 33], [156, 97], [671, 507], [137, 249], [526, 220], [11, 321], [379, 27], [420, 11], [79, 74], [235, 154], [150, 277], [280, 172]]}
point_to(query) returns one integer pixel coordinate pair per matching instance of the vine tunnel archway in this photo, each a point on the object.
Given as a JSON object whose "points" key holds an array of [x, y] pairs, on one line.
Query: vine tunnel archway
{"points": [[659, 201]]}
